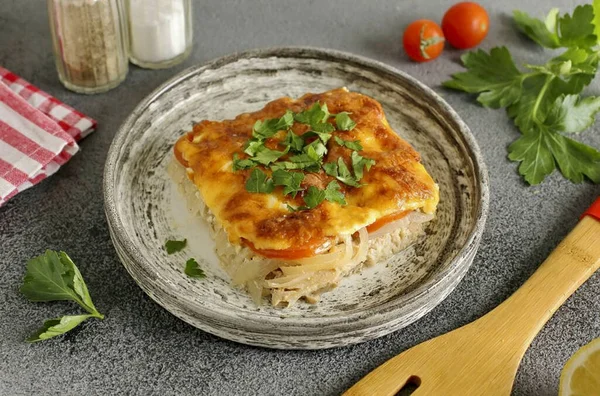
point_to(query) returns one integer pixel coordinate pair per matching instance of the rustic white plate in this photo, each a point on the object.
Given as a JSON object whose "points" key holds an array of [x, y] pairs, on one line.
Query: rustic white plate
{"points": [[144, 209]]}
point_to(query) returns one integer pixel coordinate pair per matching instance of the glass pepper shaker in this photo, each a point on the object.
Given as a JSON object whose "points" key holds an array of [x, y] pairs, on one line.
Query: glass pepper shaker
{"points": [[90, 43], [160, 32]]}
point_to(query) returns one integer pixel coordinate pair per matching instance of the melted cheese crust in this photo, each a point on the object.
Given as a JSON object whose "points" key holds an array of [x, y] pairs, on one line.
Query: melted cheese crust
{"points": [[397, 181]]}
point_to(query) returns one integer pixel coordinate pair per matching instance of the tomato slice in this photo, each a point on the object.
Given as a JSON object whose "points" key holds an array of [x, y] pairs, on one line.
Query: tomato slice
{"points": [[385, 220], [312, 248]]}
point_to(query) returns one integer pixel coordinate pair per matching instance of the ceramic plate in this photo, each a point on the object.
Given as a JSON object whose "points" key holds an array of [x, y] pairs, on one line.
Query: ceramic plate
{"points": [[144, 208]]}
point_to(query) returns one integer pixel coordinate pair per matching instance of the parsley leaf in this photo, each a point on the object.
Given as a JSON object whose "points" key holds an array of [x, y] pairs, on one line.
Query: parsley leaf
{"points": [[359, 163], [352, 145], [253, 146], [319, 149], [193, 270], [344, 175], [576, 30], [289, 180], [53, 276], [494, 76], [324, 136], [333, 193], [294, 142], [259, 183], [543, 33], [267, 128], [331, 169], [314, 197], [344, 122], [316, 114], [175, 246], [266, 156], [239, 164], [571, 115], [58, 326]]}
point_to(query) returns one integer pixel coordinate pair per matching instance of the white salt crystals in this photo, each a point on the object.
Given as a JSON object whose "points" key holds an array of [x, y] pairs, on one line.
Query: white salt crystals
{"points": [[160, 32]]}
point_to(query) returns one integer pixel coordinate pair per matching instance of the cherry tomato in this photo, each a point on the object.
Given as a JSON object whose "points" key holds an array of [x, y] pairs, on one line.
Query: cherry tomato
{"points": [[465, 24], [423, 40]]}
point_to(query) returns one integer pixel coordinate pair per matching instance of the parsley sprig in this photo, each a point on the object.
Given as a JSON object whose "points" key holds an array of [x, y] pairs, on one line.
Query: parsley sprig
{"points": [[301, 153], [53, 276], [544, 102]]}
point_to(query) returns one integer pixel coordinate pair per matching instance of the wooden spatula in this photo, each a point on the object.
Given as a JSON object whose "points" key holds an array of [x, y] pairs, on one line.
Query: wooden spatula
{"points": [[482, 357]]}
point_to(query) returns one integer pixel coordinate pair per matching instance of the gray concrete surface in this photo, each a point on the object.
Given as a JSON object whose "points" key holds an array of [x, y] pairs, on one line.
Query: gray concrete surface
{"points": [[140, 348]]}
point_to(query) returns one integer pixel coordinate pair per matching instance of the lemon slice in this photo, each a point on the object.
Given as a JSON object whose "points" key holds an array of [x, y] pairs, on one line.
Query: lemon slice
{"points": [[581, 374]]}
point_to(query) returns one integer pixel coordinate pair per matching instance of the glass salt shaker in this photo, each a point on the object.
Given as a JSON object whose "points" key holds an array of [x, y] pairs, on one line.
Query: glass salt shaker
{"points": [[160, 32], [90, 43]]}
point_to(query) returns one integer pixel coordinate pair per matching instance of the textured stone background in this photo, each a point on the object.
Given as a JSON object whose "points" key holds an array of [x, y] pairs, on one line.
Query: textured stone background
{"points": [[140, 348]]}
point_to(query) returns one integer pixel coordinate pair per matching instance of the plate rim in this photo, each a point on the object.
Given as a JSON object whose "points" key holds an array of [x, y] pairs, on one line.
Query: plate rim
{"points": [[351, 322]]}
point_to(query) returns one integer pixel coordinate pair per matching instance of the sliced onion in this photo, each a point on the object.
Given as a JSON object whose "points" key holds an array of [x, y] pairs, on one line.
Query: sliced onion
{"points": [[254, 269], [255, 288], [288, 281]]}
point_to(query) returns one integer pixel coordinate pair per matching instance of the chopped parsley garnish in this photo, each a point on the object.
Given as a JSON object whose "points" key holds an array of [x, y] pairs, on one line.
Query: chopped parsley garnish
{"points": [[175, 246], [352, 145], [294, 142], [359, 163], [258, 182], [289, 180], [298, 156], [316, 114], [193, 270]]}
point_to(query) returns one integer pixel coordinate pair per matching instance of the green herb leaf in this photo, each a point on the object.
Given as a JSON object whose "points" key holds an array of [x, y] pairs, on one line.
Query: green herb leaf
{"points": [[58, 326], [541, 149], [323, 136], [331, 169], [267, 128], [344, 122], [314, 115], [319, 150], [352, 145], [572, 115], [239, 164], [577, 30], [52, 276], [193, 270], [259, 183], [359, 163], [253, 146], [291, 208], [175, 246], [344, 174], [289, 180], [266, 156], [313, 197], [494, 76], [596, 20], [543, 33], [294, 142], [333, 193]]}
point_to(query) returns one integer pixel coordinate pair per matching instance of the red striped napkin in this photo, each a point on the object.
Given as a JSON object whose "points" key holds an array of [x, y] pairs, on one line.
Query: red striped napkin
{"points": [[38, 134]]}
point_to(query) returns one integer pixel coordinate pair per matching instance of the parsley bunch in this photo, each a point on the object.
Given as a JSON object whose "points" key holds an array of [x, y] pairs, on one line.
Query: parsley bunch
{"points": [[544, 101], [301, 156]]}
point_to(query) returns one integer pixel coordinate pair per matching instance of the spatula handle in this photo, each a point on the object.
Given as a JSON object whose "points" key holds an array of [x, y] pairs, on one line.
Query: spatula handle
{"points": [[575, 259]]}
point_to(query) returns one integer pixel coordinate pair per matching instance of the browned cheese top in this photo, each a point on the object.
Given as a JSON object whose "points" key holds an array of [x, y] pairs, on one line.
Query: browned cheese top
{"points": [[397, 181]]}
